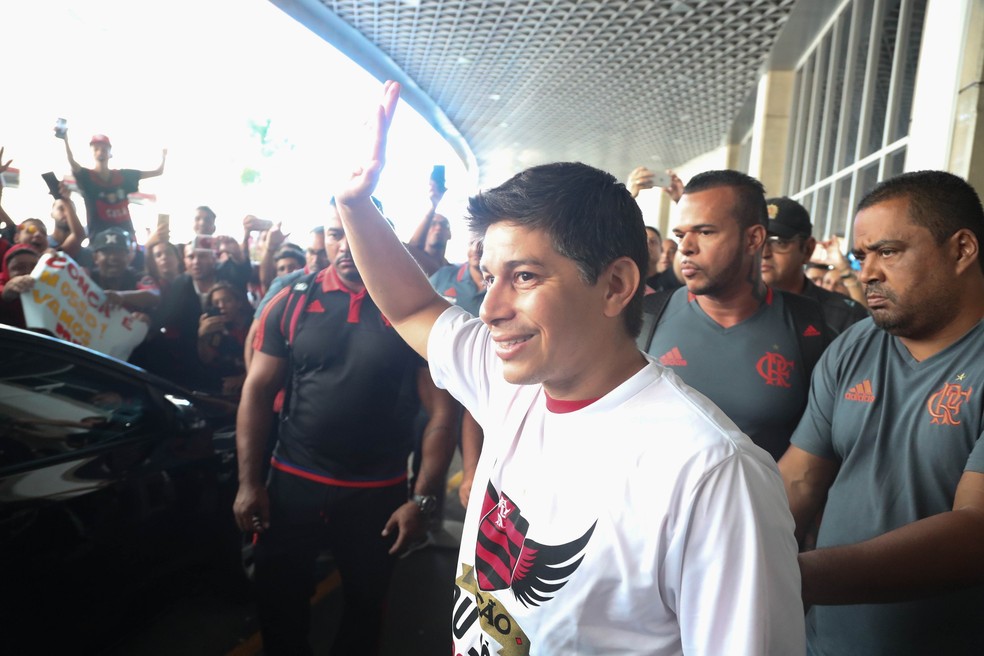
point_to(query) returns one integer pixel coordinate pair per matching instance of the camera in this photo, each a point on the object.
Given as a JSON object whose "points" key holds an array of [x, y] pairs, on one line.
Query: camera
{"points": [[61, 126], [213, 312]]}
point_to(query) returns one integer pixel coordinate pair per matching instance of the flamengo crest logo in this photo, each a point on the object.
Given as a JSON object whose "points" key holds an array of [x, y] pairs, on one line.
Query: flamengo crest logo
{"points": [[944, 405], [775, 369], [506, 558]]}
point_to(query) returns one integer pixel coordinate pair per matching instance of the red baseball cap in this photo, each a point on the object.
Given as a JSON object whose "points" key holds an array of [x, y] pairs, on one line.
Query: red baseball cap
{"points": [[100, 139]]}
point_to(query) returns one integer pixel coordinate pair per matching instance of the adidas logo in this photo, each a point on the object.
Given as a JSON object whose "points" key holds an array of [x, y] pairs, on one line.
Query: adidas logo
{"points": [[861, 392], [673, 358], [811, 331], [315, 306]]}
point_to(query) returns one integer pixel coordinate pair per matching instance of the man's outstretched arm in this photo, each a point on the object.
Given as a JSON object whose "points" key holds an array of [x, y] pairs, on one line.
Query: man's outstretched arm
{"points": [[395, 282]]}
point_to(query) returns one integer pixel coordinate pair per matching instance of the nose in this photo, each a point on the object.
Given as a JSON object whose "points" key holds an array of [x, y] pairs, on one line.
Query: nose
{"points": [[497, 304], [870, 271], [688, 243]]}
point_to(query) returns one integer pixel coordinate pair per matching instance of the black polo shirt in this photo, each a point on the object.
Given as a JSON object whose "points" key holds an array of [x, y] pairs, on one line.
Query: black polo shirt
{"points": [[351, 384]]}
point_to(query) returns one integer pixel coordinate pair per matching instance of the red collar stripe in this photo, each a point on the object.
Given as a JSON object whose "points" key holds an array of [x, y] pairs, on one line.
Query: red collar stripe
{"points": [[330, 282], [560, 407]]}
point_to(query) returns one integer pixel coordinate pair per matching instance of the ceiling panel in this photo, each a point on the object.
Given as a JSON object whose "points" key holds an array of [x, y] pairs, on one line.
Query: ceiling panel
{"points": [[611, 83]]}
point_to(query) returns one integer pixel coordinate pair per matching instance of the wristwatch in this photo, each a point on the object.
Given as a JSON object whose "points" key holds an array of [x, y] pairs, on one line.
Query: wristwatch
{"points": [[426, 502]]}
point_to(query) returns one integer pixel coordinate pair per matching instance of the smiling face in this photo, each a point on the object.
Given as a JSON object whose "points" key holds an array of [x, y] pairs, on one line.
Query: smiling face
{"points": [[907, 283], [22, 263], [547, 324], [33, 233], [111, 262], [717, 255]]}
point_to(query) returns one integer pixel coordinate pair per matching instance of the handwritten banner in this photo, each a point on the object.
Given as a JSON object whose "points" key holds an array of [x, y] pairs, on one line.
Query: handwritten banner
{"points": [[67, 303]]}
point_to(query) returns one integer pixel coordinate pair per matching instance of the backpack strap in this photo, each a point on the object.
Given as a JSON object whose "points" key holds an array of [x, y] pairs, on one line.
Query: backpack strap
{"points": [[297, 301], [808, 320], [653, 306]]}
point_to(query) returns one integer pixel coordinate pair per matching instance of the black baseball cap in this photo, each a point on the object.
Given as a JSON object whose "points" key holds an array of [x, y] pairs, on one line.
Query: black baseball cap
{"points": [[111, 238], [788, 219]]}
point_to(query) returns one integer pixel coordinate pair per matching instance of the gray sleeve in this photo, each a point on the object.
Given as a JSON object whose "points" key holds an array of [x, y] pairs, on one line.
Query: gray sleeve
{"points": [[975, 463], [813, 433]]}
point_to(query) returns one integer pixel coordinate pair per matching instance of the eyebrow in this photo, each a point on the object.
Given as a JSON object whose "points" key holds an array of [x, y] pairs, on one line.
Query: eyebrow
{"points": [[512, 264], [881, 243]]}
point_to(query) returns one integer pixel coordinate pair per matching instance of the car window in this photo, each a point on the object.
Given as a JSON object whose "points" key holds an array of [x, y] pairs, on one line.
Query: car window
{"points": [[51, 404]]}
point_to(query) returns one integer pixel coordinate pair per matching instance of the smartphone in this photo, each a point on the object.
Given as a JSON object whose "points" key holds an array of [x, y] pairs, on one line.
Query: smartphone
{"points": [[164, 220], [204, 243], [213, 312], [51, 180], [61, 125], [437, 175], [661, 179]]}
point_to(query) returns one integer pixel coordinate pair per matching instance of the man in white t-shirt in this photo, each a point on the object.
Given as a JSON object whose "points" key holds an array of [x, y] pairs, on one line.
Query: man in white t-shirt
{"points": [[615, 510]]}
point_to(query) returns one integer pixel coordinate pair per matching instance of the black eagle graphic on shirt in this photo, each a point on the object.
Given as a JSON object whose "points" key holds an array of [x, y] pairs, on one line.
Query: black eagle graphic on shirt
{"points": [[506, 558]]}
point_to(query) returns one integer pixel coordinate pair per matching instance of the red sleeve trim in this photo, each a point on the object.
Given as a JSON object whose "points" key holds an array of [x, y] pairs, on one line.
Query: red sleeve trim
{"points": [[277, 300]]}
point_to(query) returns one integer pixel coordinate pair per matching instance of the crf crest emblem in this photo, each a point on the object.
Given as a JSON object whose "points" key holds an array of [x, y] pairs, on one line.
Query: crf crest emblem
{"points": [[775, 369], [506, 558], [944, 405]]}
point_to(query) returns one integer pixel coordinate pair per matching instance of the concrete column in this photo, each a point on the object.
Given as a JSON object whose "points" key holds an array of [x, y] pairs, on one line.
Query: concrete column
{"points": [[967, 153], [770, 130]]}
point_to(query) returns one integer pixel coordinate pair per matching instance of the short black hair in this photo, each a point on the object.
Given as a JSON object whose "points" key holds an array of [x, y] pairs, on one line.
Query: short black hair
{"points": [[590, 216], [292, 252], [939, 201], [751, 209], [659, 235], [207, 210]]}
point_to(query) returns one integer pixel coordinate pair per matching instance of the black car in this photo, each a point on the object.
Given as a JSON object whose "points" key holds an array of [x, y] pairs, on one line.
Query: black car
{"points": [[114, 484]]}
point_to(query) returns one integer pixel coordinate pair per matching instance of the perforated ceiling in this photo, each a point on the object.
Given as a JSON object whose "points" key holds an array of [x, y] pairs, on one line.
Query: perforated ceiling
{"points": [[611, 83]]}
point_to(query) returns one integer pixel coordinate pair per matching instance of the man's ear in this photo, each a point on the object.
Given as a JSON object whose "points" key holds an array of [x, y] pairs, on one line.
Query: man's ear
{"points": [[966, 249], [755, 238], [622, 279], [809, 245]]}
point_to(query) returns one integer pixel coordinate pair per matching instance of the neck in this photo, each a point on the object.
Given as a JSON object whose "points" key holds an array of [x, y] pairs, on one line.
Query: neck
{"points": [[795, 287], [204, 284], [924, 348], [625, 361], [730, 309]]}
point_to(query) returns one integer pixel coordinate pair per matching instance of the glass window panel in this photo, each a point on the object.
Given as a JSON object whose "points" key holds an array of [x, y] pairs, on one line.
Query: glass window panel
{"points": [[885, 54], [810, 166], [907, 81], [792, 156], [836, 94], [856, 83], [50, 406], [804, 120], [895, 163], [840, 206], [819, 214], [867, 179]]}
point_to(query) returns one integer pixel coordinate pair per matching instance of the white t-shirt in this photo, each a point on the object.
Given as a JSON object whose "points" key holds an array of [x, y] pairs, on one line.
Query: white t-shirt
{"points": [[644, 523]]}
